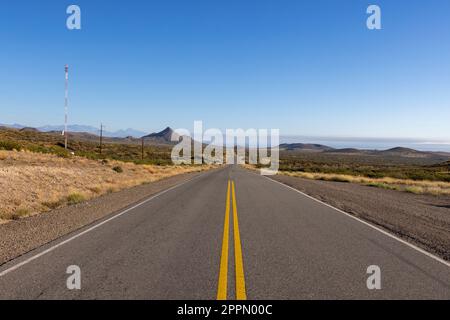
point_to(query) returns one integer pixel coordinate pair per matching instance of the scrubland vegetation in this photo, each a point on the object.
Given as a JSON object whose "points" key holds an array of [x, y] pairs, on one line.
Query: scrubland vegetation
{"points": [[85, 145], [418, 173], [433, 168], [407, 185], [36, 182]]}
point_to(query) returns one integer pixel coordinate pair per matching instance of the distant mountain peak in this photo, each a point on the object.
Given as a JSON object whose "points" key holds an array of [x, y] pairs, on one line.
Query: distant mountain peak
{"points": [[164, 135], [401, 150], [29, 129], [305, 147], [93, 130], [167, 130]]}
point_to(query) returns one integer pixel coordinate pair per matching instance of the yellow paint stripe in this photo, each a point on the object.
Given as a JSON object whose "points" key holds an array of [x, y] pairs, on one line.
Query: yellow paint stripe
{"points": [[240, 279], [223, 273]]}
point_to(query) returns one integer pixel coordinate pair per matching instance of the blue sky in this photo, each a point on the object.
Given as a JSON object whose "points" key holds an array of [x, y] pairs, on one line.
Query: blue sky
{"points": [[306, 67]]}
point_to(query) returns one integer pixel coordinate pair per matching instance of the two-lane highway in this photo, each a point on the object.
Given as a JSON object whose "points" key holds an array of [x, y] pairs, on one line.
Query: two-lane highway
{"points": [[227, 234], [222, 293]]}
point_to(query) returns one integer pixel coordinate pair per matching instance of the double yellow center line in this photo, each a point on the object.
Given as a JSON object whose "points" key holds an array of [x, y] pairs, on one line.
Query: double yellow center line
{"points": [[239, 271]]}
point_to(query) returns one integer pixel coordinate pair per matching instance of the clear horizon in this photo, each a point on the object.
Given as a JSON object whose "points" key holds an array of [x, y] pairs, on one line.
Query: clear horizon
{"points": [[369, 143], [309, 68], [431, 140]]}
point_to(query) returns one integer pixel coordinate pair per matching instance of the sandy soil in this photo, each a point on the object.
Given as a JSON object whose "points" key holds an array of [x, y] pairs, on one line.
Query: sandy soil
{"points": [[38, 183], [21, 236]]}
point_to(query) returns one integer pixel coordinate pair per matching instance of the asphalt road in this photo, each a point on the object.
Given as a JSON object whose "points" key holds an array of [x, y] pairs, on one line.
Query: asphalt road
{"points": [[228, 233]]}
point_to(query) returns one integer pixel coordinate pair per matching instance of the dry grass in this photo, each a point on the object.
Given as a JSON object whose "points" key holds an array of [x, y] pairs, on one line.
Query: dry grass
{"points": [[412, 186], [33, 182], [407, 185]]}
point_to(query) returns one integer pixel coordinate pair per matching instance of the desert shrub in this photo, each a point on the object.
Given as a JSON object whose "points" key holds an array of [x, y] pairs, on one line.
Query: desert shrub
{"points": [[339, 179], [60, 152], [10, 145], [415, 190], [52, 204], [374, 174], [421, 175], [96, 189], [75, 198], [118, 169], [57, 150], [382, 185], [38, 148], [111, 190], [15, 215]]}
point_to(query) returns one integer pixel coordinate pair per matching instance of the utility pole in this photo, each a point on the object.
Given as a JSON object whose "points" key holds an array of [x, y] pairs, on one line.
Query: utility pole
{"points": [[142, 148], [101, 137], [66, 103]]}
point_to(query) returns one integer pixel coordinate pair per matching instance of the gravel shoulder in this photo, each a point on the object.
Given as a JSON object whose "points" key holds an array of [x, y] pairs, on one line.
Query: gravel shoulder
{"points": [[423, 220], [21, 236]]}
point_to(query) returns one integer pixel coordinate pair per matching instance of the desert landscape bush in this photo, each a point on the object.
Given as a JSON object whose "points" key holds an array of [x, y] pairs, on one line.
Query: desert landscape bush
{"points": [[36, 182], [84, 145], [369, 166], [407, 185]]}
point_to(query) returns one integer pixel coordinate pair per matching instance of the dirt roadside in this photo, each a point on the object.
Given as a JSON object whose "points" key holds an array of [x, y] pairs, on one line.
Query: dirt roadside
{"points": [[21, 236], [423, 220], [40, 182]]}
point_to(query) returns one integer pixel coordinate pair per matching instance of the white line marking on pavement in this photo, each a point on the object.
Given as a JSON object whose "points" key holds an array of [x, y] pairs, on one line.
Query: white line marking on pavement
{"points": [[367, 224], [17, 266]]}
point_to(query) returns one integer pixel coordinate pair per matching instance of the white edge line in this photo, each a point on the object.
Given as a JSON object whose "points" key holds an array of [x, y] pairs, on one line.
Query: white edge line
{"points": [[17, 266], [367, 224]]}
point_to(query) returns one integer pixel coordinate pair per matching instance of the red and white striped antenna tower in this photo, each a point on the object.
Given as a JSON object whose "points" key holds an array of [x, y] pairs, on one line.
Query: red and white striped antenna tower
{"points": [[66, 103]]}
